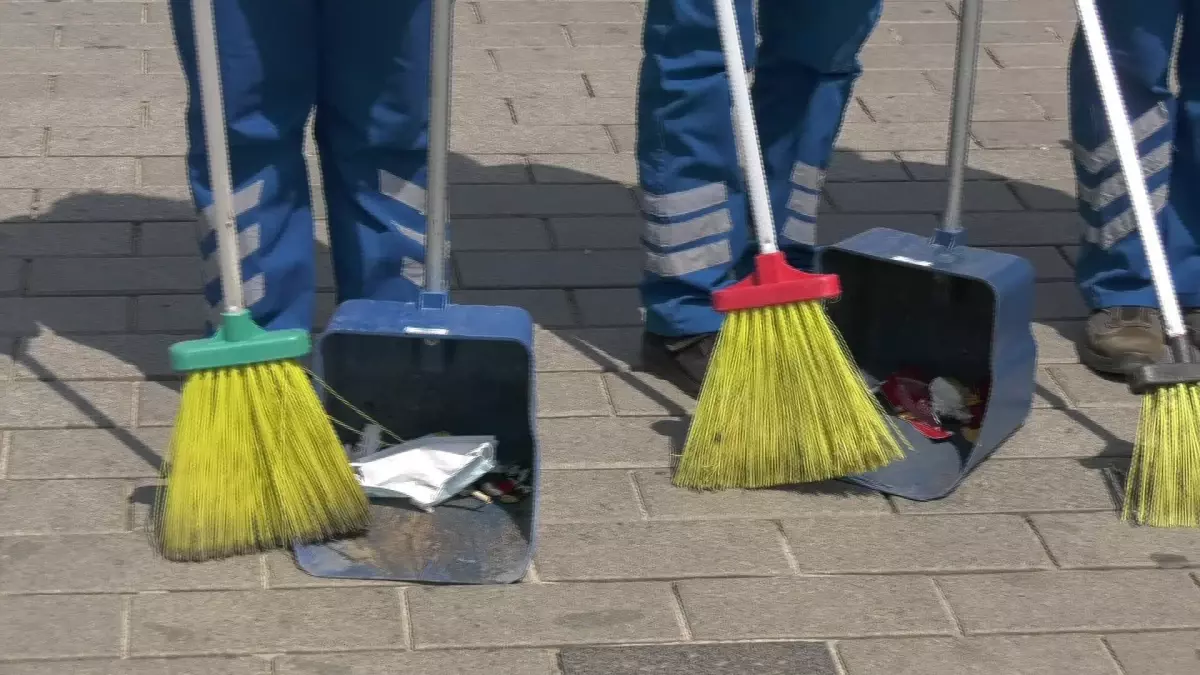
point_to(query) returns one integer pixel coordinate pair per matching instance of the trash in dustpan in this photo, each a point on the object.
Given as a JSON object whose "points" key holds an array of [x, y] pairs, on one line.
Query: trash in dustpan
{"points": [[426, 471], [941, 330]]}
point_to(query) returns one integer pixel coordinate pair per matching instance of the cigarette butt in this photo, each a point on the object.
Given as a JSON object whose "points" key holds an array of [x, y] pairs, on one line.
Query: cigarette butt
{"points": [[481, 497]]}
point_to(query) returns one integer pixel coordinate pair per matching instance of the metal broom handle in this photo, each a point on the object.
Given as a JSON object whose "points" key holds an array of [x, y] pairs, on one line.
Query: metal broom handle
{"points": [[1135, 181], [436, 251], [744, 129], [963, 99], [217, 143]]}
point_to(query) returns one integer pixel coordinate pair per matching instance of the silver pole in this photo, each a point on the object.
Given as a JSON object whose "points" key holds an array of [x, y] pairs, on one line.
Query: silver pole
{"points": [[970, 24], [436, 208]]}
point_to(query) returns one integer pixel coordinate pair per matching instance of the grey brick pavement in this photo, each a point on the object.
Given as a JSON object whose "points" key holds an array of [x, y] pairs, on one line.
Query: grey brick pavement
{"points": [[1025, 570]]}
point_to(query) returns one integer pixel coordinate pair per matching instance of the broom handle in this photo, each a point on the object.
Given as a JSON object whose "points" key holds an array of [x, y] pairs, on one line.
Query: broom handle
{"points": [[1118, 122], [963, 99], [744, 129], [217, 143], [436, 250]]}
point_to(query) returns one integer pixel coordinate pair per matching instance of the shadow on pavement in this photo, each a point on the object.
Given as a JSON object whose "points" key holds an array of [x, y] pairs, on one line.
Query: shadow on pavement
{"points": [[540, 245]]}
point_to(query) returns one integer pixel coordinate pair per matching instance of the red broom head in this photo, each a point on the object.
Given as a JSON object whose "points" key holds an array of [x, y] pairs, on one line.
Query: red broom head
{"points": [[774, 282]]}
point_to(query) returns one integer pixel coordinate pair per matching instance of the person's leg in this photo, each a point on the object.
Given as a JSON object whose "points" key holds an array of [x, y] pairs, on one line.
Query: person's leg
{"points": [[1185, 242], [1111, 270], [371, 127], [807, 66], [693, 199], [268, 70]]}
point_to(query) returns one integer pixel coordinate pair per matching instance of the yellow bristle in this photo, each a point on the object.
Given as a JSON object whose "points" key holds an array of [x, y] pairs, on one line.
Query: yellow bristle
{"points": [[1163, 487], [783, 403], [253, 464]]}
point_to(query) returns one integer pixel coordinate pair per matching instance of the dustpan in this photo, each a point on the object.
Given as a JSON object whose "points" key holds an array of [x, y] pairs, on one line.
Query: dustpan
{"points": [[430, 367], [943, 308]]}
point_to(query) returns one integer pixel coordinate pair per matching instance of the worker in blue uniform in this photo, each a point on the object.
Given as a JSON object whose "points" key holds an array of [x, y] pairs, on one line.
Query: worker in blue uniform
{"points": [[364, 67], [1125, 326], [694, 202]]}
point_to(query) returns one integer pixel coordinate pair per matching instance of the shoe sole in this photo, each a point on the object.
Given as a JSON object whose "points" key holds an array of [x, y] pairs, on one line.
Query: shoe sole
{"points": [[1107, 364]]}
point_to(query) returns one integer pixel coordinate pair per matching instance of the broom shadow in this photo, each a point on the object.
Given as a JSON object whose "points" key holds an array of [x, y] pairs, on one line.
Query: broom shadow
{"points": [[593, 309]]}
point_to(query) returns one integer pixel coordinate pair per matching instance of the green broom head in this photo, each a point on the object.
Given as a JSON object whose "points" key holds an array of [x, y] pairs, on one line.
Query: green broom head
{"points": [[254, 462], [1163, 486], [782, 401]]}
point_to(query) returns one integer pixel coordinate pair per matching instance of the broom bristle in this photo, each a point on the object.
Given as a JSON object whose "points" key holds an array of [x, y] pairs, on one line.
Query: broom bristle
{"points": [[253, 464], [782, 403], [1163, 487]]}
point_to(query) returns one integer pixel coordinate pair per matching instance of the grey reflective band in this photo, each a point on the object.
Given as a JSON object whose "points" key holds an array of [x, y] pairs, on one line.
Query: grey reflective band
{"points": [[688, 231], [808, 176], [1114, 187], [800, 231], [687, 261], [675, 204], [804, 203], [1145, 126], [406, 192], [1117, 228]]}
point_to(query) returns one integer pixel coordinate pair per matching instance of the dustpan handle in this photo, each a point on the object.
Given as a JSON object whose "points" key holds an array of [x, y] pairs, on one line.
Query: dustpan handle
{"points": [[962, 102], [744, 129], [1135, 181], [216, 140], [437, 204]]}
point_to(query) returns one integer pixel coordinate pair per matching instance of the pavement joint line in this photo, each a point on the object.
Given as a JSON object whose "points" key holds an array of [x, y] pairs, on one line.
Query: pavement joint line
{"points": [[406, 618], [126, 625], [681, 618], [793, 563], [638, 498], [1112, 655], [959, 631], [5, 450], [264, 572], [839, 665], [1042, 541]]}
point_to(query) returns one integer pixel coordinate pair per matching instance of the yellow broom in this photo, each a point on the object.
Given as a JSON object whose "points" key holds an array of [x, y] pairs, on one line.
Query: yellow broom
{"points": [[254, 462], [1163, 487], [782, 401]]}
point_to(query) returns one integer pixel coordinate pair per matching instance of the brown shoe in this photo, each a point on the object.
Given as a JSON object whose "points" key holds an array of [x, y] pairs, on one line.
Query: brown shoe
{"points": [[1120, 338], [681, 361]]}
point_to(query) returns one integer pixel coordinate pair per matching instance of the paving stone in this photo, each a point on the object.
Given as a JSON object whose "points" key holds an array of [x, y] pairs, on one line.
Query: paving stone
{"points": [[1058, 300], [1048, 263], [26, 36], [129, 86], [1047, 393], [510, 35], [469, 169], [570, 497], [518, 85], [1020, 134], [531, 269], [516, 139], [591, 349], [795, 658], [566, 59], [894, 82], [96, 112], [612, 84], [1030, 56], [157, 404], [147, 203], [1087, 389], [571, 395], [62, 172], [95, 357], [66, 239], [42, 405], [11, 274], [170, 239], [282, 572], [812, 607], [266, 621], [1047, 194], [549, 307], [171, 312], [19, 142], [1023, 32], [610, 442], [62, 626], [53, 61], [1029, 10], [164, 171], [1102, 540], [892, 137], [624, 137], [605, 34], [551, 614], [1023, 486], [890, 108], [86, 453], [835, 227], [1055, 105], [659, 551], [1174, 653], [62, 506], [499, 234], [216, 665], [128, 36], [30, 316], [899, 544], [645, 394], [49, 13], [916, 12], [455, 662], [1050, 434], [1018, 80], [915, 197], [114, 275], [25, 86], [614, 168], [865, 166], [110, 563], [542, 200], [16, 204], [574, 110], [1072, 601], [1024, 655], [664, 501], [117, 141], [1025, 229], [597, 232], [594, 11], [609, 306], [1021, 164], [1056, 341]]}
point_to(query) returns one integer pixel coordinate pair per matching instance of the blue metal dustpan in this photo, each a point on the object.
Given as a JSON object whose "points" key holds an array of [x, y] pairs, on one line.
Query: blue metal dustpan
{"points": [[945, 308], [426, 367]]}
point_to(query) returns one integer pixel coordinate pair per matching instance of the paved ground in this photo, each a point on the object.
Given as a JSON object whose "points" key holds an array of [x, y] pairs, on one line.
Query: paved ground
{"points": [[1026, 570]]}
